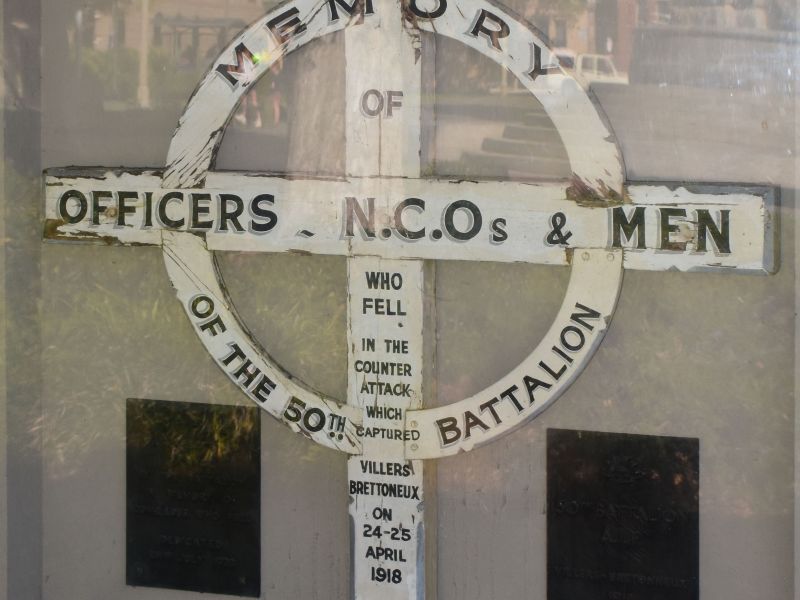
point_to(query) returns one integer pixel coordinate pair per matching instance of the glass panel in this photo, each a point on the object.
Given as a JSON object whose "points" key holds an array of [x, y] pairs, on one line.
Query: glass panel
{"points": [[703, 92]]}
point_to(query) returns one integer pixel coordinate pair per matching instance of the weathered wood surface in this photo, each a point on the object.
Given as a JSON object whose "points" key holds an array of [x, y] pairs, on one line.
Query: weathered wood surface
{"points": [[386, 303], [407, 218], [387, 492]]}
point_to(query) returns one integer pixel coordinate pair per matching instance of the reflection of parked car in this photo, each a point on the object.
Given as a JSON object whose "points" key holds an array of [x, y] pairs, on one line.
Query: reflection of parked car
{"points": [[589, 68]]}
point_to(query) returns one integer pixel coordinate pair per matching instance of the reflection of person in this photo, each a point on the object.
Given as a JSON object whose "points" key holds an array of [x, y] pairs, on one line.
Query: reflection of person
{"points": [[249, 112], [275, 86]]}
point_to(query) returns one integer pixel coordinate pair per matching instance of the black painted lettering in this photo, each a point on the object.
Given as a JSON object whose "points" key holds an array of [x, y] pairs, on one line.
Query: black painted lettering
{"points": [[393, 101], [509, 395], [721, 234], [556, 375], [499, 233], [367, 304], [202, 307], [314, 420], [148, 209], [263, 388], [583, 313], [286, 26], [123, 208], [667, 228], [200, 208], [470, 421], [473, 214], [449, 433], [97, 205], [230, 215], [562, 354], [536, 67], [372, 103], [229, 72], [162, 210], [64, 207], [570, 342], [621, 225], [236, 353], [383, 280], [441, 7], [366, 221], [400, 226], [383, 307], [358, 7], [492, 35], [213, 326], [532, 384], [395, 346], [246, 373], [267, 218], [490, 406]]}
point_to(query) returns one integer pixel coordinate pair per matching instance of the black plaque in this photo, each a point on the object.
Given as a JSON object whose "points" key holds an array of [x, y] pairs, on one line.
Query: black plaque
{"points": [[193, 497], [622, 516]]}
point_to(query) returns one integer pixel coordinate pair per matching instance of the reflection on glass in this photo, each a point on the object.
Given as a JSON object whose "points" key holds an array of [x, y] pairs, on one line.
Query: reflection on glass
{"points": [[152, 52]]}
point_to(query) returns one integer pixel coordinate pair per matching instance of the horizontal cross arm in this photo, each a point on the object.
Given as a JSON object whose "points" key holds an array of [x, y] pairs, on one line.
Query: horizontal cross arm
{"points": [[661, 227]]}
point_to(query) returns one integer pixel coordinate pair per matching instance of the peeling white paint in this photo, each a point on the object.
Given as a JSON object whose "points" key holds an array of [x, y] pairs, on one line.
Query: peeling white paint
{"points": [[311, 218], [385, 311]]}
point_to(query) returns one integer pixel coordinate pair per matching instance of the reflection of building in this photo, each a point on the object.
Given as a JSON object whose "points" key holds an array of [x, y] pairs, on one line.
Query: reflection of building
{"points": [[200, 30], [128, 32], [193, 40], [602, 27], [608, 26], [563, 30], [746, 50], [614, 22], [708, 14]]}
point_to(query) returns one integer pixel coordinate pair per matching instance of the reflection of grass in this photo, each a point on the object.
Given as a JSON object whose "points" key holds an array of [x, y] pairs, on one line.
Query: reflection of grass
{"points": [[296, 306], [189, 435], [117, 71]]}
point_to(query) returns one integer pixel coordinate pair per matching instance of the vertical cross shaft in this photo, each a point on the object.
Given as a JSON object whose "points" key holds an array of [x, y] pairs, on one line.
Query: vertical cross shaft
{"points": [[385, 316]]}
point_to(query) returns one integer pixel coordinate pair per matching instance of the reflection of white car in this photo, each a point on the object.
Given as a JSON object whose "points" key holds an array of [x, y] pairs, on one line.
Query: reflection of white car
{"points": [[589, 68]]}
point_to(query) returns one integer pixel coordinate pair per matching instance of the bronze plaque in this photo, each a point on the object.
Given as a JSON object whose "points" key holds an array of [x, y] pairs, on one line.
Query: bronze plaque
{"points": [[622, 516], [193, 497]]}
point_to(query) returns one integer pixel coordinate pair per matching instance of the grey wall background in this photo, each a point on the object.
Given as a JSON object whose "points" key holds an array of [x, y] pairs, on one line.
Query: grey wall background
{"points": [[3, 482], [22, 295], [797, 370]]}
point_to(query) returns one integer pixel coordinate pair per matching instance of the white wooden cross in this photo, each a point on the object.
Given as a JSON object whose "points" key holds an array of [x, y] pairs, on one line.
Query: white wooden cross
{"points": [[387, 220]]}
